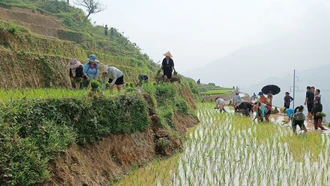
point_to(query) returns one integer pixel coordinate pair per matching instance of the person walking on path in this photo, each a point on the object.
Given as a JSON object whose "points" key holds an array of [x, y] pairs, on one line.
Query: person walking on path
{"points": [[317, 110], [168, 66], [106, 30], [298, 118], [91, 69], [75, 72], [287, 100], [309, 101], [116, 77]]}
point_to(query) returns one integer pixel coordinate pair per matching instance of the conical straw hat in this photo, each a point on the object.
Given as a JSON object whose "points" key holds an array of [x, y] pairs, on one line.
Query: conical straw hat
{"points": [[168, 54]]}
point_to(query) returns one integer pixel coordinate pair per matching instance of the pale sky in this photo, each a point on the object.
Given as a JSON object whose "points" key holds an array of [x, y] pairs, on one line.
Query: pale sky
{"points": [[200, 32]]}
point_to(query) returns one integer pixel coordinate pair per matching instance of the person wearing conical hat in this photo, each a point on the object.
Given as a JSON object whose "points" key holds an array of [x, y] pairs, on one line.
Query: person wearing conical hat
{"points": [[75, 72], [168, 65]]}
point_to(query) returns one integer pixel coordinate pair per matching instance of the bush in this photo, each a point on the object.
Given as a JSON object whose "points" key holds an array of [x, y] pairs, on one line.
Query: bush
{"points": [[34, 131]]}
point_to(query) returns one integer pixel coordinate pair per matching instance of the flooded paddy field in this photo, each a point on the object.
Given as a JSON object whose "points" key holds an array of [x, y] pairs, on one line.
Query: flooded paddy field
{"points": [[227, 149]]}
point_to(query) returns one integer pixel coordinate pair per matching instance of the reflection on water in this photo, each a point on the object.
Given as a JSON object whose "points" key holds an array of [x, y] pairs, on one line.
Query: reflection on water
{"points": [[216, 154]]}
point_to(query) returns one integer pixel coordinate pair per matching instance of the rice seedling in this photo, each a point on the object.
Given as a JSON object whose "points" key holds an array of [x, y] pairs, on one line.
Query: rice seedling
{"points": [[226, 149]]}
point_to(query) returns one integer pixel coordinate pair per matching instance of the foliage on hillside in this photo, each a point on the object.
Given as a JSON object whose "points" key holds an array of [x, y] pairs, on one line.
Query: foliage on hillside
{"points": [[35, 125], [89, 36], [78, 40]]}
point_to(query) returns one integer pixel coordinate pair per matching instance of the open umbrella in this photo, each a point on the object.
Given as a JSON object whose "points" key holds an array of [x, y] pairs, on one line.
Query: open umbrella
{"points": [[271, 88]]}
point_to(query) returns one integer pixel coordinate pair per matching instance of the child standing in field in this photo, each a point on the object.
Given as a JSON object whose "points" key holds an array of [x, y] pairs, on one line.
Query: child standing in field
{"points": [[298, 118]]}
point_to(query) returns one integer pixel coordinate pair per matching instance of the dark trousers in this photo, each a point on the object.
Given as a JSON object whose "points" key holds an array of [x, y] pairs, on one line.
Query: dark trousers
{"points": [[244, 107], [318, 123]]}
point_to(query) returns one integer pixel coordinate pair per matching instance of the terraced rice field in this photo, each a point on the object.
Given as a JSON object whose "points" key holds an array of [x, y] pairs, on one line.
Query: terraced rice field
{"points": [[226, 149]]}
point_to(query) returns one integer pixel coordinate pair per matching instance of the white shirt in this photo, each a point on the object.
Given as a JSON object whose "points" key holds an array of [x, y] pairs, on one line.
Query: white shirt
{"points": [[220, 101], [113, 73]]}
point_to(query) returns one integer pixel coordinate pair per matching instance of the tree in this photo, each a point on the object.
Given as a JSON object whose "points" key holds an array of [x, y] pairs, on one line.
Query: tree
{"points": [[92, 6]]}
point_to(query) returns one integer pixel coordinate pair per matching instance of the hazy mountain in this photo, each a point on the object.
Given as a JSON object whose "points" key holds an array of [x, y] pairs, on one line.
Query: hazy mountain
{"points": [[307, 48]]}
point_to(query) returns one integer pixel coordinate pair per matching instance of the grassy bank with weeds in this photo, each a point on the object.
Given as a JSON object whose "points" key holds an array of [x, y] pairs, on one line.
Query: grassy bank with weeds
{"points": [[34, 131], [37, 125]]}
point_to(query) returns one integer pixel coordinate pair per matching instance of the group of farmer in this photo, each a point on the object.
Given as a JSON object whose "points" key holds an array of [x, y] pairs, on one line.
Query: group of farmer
{"points": [[81, 74], [263, 108], [314, 107]]}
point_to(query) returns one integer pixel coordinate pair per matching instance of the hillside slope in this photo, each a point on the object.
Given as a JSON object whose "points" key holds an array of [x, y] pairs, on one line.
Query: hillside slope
{"points": [[44, 43]]}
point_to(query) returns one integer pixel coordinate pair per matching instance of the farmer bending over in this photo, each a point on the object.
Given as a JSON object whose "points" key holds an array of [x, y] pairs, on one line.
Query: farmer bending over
{"points": [[298, 118], [239, 104], [220, 104], [115, 76], [143, 78], [289, 113]]}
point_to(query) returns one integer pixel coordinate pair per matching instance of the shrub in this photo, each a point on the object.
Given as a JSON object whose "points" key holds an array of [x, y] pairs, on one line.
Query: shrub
{"points": [[34, 131]]}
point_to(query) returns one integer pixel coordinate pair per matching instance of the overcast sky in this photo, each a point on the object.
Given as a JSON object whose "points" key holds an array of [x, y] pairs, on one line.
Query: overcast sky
{"points": [[200, 32]]}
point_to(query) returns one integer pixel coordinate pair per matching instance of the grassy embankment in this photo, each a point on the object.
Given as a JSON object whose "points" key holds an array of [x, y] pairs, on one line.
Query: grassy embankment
{"points": [[37, 125]]}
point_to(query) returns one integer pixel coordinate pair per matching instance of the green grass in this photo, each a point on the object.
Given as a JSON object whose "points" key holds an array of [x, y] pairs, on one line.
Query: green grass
{"points": [[217, 92]]}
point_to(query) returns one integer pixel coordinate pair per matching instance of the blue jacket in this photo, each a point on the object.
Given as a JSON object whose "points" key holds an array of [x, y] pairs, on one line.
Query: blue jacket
{"points": [[91, 73], [289, 112]]}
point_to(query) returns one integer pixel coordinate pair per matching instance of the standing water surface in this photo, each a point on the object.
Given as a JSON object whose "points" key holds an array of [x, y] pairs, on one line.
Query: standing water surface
{"points": [[226, 149]]}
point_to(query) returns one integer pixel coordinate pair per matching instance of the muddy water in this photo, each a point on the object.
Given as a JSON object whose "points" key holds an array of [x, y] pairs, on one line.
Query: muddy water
{"points": [[218, 152]]}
